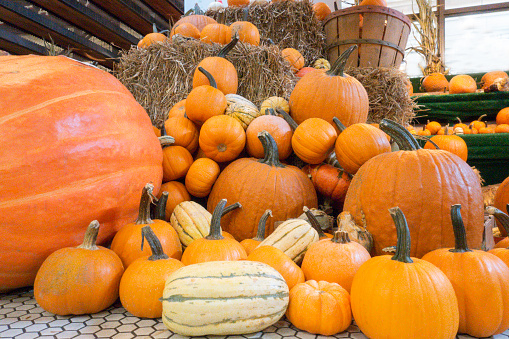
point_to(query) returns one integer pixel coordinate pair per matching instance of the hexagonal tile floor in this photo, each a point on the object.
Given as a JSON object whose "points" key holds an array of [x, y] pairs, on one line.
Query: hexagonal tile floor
{"points": [[22, 318]]}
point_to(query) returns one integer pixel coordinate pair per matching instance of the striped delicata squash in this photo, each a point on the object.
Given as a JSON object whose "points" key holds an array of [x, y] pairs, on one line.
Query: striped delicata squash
{"points": [[241, 109]]}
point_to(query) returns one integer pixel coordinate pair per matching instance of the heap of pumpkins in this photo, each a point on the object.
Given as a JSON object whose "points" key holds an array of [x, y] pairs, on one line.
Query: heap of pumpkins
{"points": [[462, 83]]}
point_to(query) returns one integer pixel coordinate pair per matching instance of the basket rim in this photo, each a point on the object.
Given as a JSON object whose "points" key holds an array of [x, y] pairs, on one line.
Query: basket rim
{"points": [[370, 9]]}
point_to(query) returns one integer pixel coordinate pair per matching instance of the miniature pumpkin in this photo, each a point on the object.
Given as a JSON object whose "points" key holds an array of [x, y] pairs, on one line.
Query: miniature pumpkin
{"points": [[205, 101], [334, 260], [321, 63], [274, 103], [321, 10], [357, 144], [279, 261], [241, 109], [176, 161], [178, 110], [313, 140], [304, 70], [480, 280], [373, 3], [502, 128], [79, 280], [355, 232], [319, 307], [277, 127], [150, 39], [462, 83], [185, 29], [218, 33], [435, 82], [250, 244], [488, 78], [222, 138], [328, 93], [126, 243], [433, 179], [503, 116], [486, 130], [222, 70], [451, 143], [329, 181], [294, 58], [201, 177], [142, 284], [238, 2], [214, 247], [246, 31], [478, 124], [419, 293], [461, 125], [199, 21], [183, 131], [433, 127], [177, 193]]}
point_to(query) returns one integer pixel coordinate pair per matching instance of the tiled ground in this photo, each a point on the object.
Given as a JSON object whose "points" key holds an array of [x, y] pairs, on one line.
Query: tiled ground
{"points": [[22, 318]]}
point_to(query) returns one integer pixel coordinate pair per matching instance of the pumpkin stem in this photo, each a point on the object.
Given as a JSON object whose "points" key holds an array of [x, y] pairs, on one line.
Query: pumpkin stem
{"points": [[460, 236], [246, 13], [226, 49], [270, 111], [339, 124], [160, 208], [428, 140], [271, 157], [230, 208], [338, 67], [502, 218], [90, 238], [154, 243], [209, 76], [314, 223], [288, 118], [260, 233], [400, 135], [270, 42], [403, 234], [215, 222], [341, 237], [144, 211], [164, 139]]}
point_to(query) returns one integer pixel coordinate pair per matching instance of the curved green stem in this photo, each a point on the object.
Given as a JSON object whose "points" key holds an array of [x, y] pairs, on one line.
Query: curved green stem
{"points": [[230, 208], [400, 135], [502, 218], [260, 232], [209, 76], [144, 210], [226, 49], [341, 237], [288, 118], [271, 157], [460, 236], [427, 140], [314, 223], [215, 222], [270, 111], [339, 124], [154, 243], [90, 237], [338, 67], [403, 234]]}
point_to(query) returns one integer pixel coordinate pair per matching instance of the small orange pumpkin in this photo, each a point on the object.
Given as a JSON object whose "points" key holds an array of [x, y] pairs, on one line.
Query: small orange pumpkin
{"points": [[313, 140], [176, 160], [433, 127], [502, 128], [435, 82], [373, 3], [201, 177], [503, 116], [218, 33], [199, 21], [485, 130], [478, 124], [251, 244], [222, 138], [321, 10], [304, 70], [150, 39], [183, 131], [277, 127], [329, 181], [238, 2], [451, 143], [294, 58], [488, 78], [176, 194], [185, 29], [462, 83], [178, 110], [247, 32]]}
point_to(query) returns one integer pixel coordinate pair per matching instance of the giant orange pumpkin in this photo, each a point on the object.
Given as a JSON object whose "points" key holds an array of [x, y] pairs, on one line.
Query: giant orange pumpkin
{"points": [[94, 151], [422, 183], [330, 93], [259, 185]]}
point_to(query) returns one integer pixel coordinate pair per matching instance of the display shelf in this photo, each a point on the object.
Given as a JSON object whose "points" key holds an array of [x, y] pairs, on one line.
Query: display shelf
{"points": [[22, 318]]}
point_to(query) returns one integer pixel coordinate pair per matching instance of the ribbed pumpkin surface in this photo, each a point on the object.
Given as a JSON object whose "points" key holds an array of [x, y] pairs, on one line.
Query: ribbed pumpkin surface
{"points": [[224, 297], [75, 147]]}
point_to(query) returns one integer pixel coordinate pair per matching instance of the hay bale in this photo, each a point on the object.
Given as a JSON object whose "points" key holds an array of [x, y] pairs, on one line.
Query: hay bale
{"points": [[387, 92], [286, 23], [161, 75]]}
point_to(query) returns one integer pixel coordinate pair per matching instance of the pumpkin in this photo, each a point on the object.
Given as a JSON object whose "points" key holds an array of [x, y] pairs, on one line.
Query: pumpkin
{"points": [[330, 181], [451, 143], [277, 127], [293, 237], [432, 179], [313, 140], [238, 2], [205, 101], [279, 261], [79, 280], [435, 82], [150, 39], [294, 58], [502, 128], [503, 116], [355, 232], [462, 83], [424, 132], [334, 260], [321, 63], [304, 70], [321, 10], [95, 149], [274, 103], [246, 31], [250, 244], [330, 93], [183, 131], [282, 189], [201, 177], [214, 247], [222, 70], [461, 125], [218, 33], [126, 243], [241, 109], [142, 283], [177, 193], [199, 21], [433, 127], [178, 110], [501, 200], [357, 144], [373, 3], [319, 307], [480, 280], [414, 290], [185, 29], [176, 161], [222, 138], [485, 130], [478, 124], [488, 78], [240, 290]]}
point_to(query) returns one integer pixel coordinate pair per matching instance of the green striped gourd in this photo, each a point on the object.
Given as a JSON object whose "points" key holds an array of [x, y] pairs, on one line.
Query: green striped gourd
{"points": [[293, 237], [241, 109], [223, 298], [191, 221]]}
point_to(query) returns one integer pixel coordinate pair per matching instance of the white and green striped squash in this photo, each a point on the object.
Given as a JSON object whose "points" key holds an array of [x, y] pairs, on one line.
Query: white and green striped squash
{"points": [[293, 237], [241, 109], [191, 221], [223, 298]]}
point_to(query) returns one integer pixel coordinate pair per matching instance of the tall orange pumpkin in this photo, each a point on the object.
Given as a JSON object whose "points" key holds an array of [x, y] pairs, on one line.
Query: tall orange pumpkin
{"points": [[95, 149], [265, 184], [421, 182], [330, 93]]}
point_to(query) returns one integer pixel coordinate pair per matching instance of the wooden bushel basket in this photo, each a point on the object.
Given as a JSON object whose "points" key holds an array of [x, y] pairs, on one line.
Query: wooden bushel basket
{"points": [[381, 39]]}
